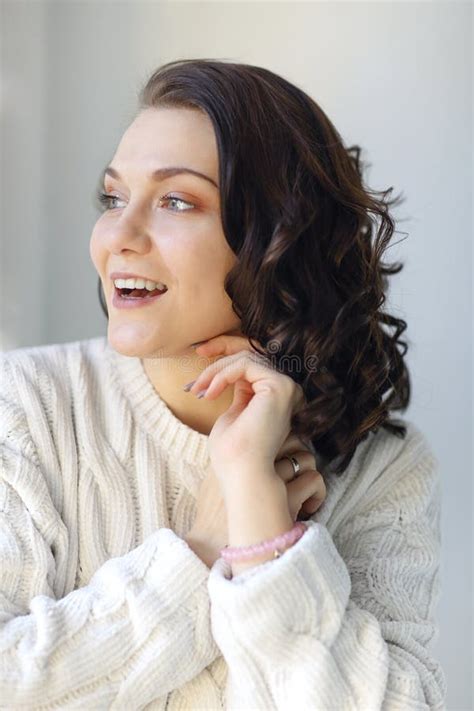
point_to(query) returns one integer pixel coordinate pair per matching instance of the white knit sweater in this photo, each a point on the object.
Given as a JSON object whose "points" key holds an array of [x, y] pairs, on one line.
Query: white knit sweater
{"points": [[104, 606]]}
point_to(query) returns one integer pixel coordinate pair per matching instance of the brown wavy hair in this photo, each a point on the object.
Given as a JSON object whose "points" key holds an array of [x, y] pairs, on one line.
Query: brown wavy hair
{"points": [[309, 283]]}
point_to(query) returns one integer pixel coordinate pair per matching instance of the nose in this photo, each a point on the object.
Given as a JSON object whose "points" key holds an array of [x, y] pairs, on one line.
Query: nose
{"points": [[128, 233]]}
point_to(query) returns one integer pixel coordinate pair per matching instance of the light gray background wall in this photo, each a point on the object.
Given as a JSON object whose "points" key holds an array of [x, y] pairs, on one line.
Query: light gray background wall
{"points": [[396, 78]]}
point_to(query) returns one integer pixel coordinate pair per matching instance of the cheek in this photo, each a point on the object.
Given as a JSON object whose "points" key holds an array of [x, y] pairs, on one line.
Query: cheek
{"points": [[204, 291], [95, 251], [206, 267]]}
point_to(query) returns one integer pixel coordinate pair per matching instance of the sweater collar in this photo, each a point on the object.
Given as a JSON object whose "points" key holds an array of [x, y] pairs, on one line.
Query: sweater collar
{"points": [[155, 417], [153, 414]]}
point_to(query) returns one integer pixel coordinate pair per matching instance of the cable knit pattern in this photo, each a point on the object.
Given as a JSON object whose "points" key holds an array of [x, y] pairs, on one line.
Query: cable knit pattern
{"points": [[104, 606]]}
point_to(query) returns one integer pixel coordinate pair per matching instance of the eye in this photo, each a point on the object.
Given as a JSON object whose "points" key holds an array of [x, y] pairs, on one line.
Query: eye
{"points": [[175, 198], [105, 201]]}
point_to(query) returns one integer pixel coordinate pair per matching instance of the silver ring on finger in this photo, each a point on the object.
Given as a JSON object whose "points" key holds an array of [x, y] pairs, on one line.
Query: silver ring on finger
{"points": [[294, 462]]}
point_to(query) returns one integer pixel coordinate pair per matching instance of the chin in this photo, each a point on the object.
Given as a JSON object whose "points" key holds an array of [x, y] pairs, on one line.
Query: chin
{"points": [[130, 351], [133, 342]]}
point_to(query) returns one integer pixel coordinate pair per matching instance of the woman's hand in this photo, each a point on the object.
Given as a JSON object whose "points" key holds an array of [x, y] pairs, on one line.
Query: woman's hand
{"points": [[234, 342], [254, 427], [306, 492]]}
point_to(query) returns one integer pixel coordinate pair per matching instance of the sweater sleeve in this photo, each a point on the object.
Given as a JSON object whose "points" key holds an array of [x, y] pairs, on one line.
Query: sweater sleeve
{"points": [[346, 626], [137, 631]]}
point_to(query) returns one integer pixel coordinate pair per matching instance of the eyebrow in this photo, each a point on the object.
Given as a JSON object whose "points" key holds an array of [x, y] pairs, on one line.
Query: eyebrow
{"points": [[163, 173]]}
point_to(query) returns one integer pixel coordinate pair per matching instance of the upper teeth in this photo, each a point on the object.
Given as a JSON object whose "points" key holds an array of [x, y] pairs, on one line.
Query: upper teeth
{"points": [[139, 284]]}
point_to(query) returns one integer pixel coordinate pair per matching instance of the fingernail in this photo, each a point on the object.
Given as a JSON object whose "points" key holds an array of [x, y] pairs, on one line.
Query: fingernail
{"points": [[201, 393], [188, 386], [199, 343]]}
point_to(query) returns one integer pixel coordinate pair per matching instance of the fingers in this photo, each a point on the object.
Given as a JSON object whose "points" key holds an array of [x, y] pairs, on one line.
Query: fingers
{"points": [[312, 504], [299, 397], [284, 468], [309, 485], [217, 376], [235, 346], [226, 345], [292, 444], [295, 447]]}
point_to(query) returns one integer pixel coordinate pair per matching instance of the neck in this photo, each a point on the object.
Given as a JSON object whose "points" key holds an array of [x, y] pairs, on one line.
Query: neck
{"points": [[169, 375]]}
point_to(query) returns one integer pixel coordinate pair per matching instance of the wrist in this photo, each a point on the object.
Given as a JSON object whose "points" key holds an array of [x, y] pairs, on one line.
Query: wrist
{"points": [[241, 558], [241, 477], [257, 510]]}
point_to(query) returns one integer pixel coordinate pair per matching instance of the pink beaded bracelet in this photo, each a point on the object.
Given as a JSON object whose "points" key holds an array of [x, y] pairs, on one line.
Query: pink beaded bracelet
{"points": [[285, 540]]}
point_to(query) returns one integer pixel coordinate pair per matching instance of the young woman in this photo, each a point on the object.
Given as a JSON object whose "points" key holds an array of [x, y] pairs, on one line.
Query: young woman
{"points": [[239, 524]]}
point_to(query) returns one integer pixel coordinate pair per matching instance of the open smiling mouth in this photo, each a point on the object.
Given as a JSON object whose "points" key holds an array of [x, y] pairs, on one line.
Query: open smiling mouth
{"points": [[140, 293], [129, 298]]}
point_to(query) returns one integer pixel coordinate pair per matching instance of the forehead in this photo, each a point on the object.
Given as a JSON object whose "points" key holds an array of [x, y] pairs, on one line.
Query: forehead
{"points": [[168, 136]]}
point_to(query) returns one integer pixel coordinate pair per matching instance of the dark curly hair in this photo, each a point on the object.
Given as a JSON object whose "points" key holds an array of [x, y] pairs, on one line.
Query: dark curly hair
{"points": [[309, 283]]}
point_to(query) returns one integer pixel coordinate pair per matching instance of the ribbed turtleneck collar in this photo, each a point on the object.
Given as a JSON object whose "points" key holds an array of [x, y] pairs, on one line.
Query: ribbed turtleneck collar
{"points": [[152, 413]]}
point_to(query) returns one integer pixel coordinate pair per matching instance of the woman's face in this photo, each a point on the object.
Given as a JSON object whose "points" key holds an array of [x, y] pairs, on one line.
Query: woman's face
{"points": [[177, 241]]}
